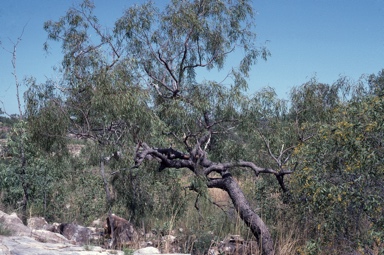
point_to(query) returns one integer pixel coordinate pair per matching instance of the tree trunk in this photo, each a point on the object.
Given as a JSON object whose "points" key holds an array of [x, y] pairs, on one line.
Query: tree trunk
{"points": [[24, 184], [109, 200], [250, 218], [24, 216]]}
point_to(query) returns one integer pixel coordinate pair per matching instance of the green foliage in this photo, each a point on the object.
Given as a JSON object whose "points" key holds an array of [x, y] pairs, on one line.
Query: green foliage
{"points": [[376, 84], [12, 173], [47, 123], [37, 178], [193, 34], [8, 121], [338, 189], [139, 82], [150, 197], [266, 120], [79, 195], [128, 251], [107, 100], [203, 242], [312, 247]]}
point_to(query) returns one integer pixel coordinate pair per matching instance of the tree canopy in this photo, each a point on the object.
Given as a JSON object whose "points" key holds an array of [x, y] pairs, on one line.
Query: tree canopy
{"points": [[152, 129]]}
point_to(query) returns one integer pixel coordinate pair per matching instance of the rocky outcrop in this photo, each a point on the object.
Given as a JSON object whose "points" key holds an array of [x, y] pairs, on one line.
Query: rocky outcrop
{"points": [[147, 250], [24, 240], [14, 224], [37, 223], [75, 233], [15, 245], [124, 234], [68, 239]]}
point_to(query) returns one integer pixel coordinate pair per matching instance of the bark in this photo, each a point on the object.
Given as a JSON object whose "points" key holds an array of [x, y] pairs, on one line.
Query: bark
{"points": [[197, 162], [250, 218], [108, 198], [24, 217]]}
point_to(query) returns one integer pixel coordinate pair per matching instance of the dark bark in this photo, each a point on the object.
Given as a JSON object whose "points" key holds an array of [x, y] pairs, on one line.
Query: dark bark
{"points": [[108, 198], [24, 218], [197, 161], [250, 218]]}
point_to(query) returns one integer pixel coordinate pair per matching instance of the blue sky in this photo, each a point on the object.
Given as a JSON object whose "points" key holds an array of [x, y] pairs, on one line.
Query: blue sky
{"points": [[307, 38]]}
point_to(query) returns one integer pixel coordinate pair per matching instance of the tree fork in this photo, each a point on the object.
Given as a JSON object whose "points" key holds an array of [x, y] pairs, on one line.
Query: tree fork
{"points": [[227, 183]]}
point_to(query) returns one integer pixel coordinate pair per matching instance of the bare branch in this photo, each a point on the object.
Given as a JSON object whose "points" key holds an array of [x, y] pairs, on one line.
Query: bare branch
{"points": [[170, 71], [14, 73], [167, 157], [181, 69], [266, 142], [171, 158]]}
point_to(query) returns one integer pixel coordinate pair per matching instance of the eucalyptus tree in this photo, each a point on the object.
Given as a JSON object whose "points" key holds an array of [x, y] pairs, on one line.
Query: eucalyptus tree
{"points": [[337, 190], [142, 82], [25, 171], [18, 143], [102, 100], [169, 47]]}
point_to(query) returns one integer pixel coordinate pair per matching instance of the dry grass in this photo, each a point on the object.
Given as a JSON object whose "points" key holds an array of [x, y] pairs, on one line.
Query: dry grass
{"points": [[75, 149], [288, 240], [219, 196]]}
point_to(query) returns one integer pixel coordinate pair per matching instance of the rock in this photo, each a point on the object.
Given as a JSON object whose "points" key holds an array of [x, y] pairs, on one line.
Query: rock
{"points": [[237, 239], [46, 236], [29, 246], [76, 233], [153, 250], [37, 223], [29, 241], [147, 250], [54, 227], [124, 234], [168, 238], [98, 223], [17, 228], [97, 235], [233, 244], [14, 224], [213, 251]]}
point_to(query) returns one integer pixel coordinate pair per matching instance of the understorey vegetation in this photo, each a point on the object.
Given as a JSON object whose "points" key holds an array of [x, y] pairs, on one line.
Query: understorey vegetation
{"points": [[133, 129]]}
